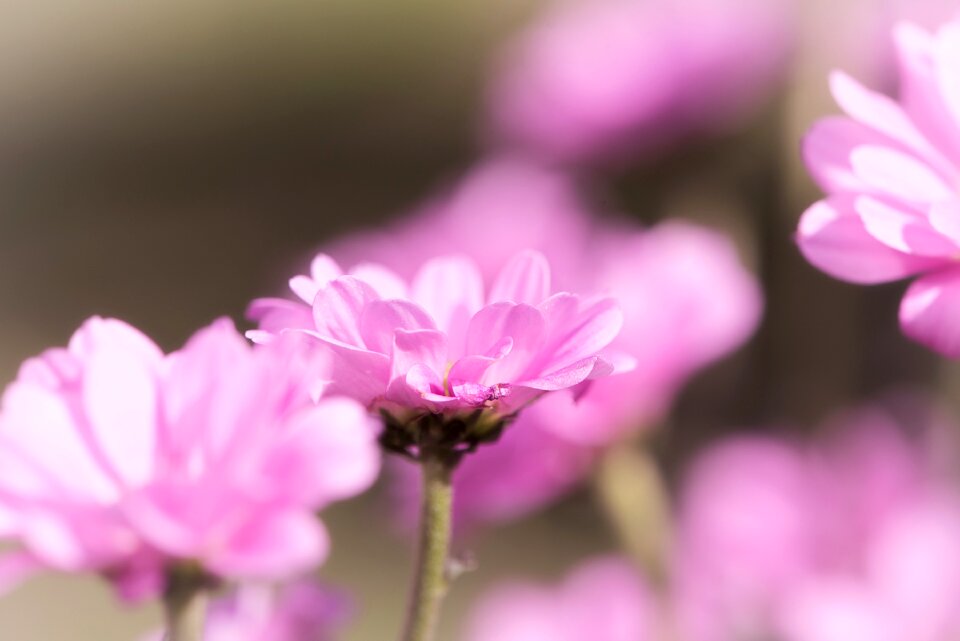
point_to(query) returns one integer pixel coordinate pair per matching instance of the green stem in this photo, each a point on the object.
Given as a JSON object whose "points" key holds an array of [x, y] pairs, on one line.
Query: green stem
{"points": [[185, 604], [430, 577], [631, 492]]}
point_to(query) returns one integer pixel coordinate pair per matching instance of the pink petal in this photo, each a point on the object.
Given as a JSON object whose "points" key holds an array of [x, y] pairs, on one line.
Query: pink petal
{"points": [[522, 323], [329, 452], [883, 114], [97, 331], [384, 282], [898, 174], [930, 309], [381, 318], [451, 289], [578, 329], [524, 279], [358, 373], [565, 377], [419, 347], [120, 399], [945, 218], [39, 424], [323, 269], [337, 309], [920, 91], [903, 231], [827, 148], [271, 546], [832, 236], [948, 57], [274, 315]]}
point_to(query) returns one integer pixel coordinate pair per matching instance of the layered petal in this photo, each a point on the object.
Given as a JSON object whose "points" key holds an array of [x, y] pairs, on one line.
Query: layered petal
{"points": [[929, 311]]}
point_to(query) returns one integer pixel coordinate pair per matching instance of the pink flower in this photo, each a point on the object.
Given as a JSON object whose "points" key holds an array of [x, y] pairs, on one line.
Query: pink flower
{"points": [[848, 537], [595, 78], [891, 170], [445, 343], [602, 600], [301, 611], [118, 459]]}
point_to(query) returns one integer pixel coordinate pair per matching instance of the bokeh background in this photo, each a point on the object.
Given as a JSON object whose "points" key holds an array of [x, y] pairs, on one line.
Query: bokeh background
{"points": [[166, 162]]}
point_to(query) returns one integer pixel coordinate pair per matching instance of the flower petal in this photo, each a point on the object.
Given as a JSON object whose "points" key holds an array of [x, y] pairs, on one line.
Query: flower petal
{"points": [[271, 546], [451, 289], [381, 318], [426, 347], [899, 174], [930, 309], [120, 399], [826, 152], [329, 452], [901, 230], [832, 236], [337, 309], [524, 279]]}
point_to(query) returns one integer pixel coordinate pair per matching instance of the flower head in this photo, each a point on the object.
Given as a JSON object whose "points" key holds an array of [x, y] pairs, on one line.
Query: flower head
{"points": [[891, 170], [592, 79], [118, 459], [447, 345]]}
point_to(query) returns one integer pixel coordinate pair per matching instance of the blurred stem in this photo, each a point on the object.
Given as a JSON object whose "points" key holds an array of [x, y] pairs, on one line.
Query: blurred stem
{"points": [[430, 576], [185, 605], [631, 492]]}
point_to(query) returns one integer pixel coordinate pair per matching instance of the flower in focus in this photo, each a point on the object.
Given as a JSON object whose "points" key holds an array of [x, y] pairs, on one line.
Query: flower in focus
{"points": [[596, 78], [300, 611], [118, 459], [891, 170], [447, 346], [851, 537], [602, 600], [687, 301]]}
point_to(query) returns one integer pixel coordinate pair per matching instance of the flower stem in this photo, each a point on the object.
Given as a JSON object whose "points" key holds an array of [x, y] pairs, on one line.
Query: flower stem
{"points": [[185, 604], [631, 491], [430, 576]]}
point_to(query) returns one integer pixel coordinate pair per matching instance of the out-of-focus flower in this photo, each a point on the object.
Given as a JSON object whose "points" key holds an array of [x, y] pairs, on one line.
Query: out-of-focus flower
{"points": [[444, 345], [598, 78], [117, 459], [848, 538], [891, 171], [300, 611], [602, 600]]}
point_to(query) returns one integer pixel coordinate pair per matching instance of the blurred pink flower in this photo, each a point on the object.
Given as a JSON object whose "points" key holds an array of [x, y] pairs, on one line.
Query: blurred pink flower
{"points": [[300, 611], [849, 537], [447, 343], [597, 78], [117, 459], [602, 600], [891, 171]]}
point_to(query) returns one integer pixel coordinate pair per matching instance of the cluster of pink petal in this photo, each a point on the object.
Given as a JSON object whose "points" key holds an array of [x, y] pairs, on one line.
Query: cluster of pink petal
{"points": [[851, 539], [300, 611], [448, 343], [687, 301], [118, 459], [596, 78], [891, 170]]}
